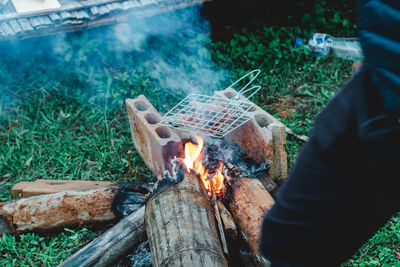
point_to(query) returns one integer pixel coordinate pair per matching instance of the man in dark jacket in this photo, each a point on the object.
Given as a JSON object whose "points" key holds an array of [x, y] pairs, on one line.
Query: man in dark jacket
{"points": [[345, 183]]}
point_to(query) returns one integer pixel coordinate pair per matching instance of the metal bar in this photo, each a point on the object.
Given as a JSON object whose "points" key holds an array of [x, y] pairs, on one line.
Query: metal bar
{"points": [[257, 71]]}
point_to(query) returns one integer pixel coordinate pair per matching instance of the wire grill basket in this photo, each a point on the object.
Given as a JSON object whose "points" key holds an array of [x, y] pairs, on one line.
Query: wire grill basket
{"points": [[213, 115]]}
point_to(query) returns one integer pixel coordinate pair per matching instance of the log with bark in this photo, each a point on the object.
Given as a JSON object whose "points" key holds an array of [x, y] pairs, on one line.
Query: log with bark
{"points": [[119, 240], [52, 212], [42, 187], [250, 202], [181, 228]]}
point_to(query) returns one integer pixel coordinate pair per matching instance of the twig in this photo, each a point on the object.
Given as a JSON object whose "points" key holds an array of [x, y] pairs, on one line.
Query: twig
{"points": [[218, 218], [220, 228], [133, 170], [5, 180], [295, 134], [14, 93]]}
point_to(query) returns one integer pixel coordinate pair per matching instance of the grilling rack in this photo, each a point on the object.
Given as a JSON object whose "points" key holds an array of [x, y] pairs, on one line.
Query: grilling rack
{"points": [[213, 116]]}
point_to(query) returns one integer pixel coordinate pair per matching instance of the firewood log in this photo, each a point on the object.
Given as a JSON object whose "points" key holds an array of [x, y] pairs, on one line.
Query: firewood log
{"points": [[181, 228], [41, 187], [115, 242], [250, 202], [228, 223], [70, 209]]}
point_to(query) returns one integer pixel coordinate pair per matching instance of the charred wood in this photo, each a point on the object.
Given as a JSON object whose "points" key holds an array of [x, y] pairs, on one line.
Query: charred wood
{"points": [[228, 223], [115, 242]]}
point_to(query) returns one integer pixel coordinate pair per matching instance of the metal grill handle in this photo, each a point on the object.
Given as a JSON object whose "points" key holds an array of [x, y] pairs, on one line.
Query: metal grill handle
{"points": [[243, 90], [256, 88]]}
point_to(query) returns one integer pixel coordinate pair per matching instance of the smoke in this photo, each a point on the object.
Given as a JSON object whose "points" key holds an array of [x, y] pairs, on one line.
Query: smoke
{"points": [[164, 57], [175, 45]]}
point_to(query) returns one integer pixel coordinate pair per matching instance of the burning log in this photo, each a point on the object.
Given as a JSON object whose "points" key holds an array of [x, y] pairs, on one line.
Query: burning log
{"points": [[115, 242], [71, 208], [250, 202], [181, 227]]}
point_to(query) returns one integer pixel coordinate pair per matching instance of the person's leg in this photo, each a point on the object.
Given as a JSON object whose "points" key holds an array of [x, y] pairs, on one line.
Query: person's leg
{"points": [[341, 189]]}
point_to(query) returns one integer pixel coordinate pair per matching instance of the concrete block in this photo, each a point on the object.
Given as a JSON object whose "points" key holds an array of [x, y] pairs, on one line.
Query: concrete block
{"points": [[156, 144], [263, 138]]}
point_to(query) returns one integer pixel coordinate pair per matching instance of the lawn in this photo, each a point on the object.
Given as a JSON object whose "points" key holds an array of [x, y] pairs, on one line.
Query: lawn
{"points": [[62, 114]]}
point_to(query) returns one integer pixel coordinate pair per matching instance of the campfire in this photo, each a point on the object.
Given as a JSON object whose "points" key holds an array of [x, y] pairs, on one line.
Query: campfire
{"points": [[210, 214], [223, 188], [210, 202]]}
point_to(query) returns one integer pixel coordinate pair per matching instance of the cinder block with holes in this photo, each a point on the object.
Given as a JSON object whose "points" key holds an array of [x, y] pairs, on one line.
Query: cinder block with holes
{"points": [[263, 138], [157, 145]]}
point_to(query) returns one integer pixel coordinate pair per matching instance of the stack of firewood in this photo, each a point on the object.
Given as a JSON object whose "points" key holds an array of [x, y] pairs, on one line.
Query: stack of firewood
{"points": [[178, 220]]}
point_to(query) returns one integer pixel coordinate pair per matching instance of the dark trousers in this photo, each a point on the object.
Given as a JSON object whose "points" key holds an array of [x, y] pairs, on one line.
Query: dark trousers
{"points": [[344, 185]]}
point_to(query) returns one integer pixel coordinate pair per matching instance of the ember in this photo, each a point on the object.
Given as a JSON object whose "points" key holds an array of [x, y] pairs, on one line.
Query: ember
{"points": [[193, 161]]}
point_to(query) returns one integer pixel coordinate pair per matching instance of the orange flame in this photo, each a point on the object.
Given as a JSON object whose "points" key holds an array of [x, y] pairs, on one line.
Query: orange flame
{"points": [[218, 179], [193, 156], [192, 152]]}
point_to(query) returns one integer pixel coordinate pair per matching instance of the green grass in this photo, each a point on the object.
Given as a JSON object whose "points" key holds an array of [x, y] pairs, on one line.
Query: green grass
{"points": [[34, 250], [382, 249], [62, 114]]}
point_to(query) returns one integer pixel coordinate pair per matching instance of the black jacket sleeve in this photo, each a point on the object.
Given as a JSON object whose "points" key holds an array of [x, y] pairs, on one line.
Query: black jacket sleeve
{"points": [[379, 31]]}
